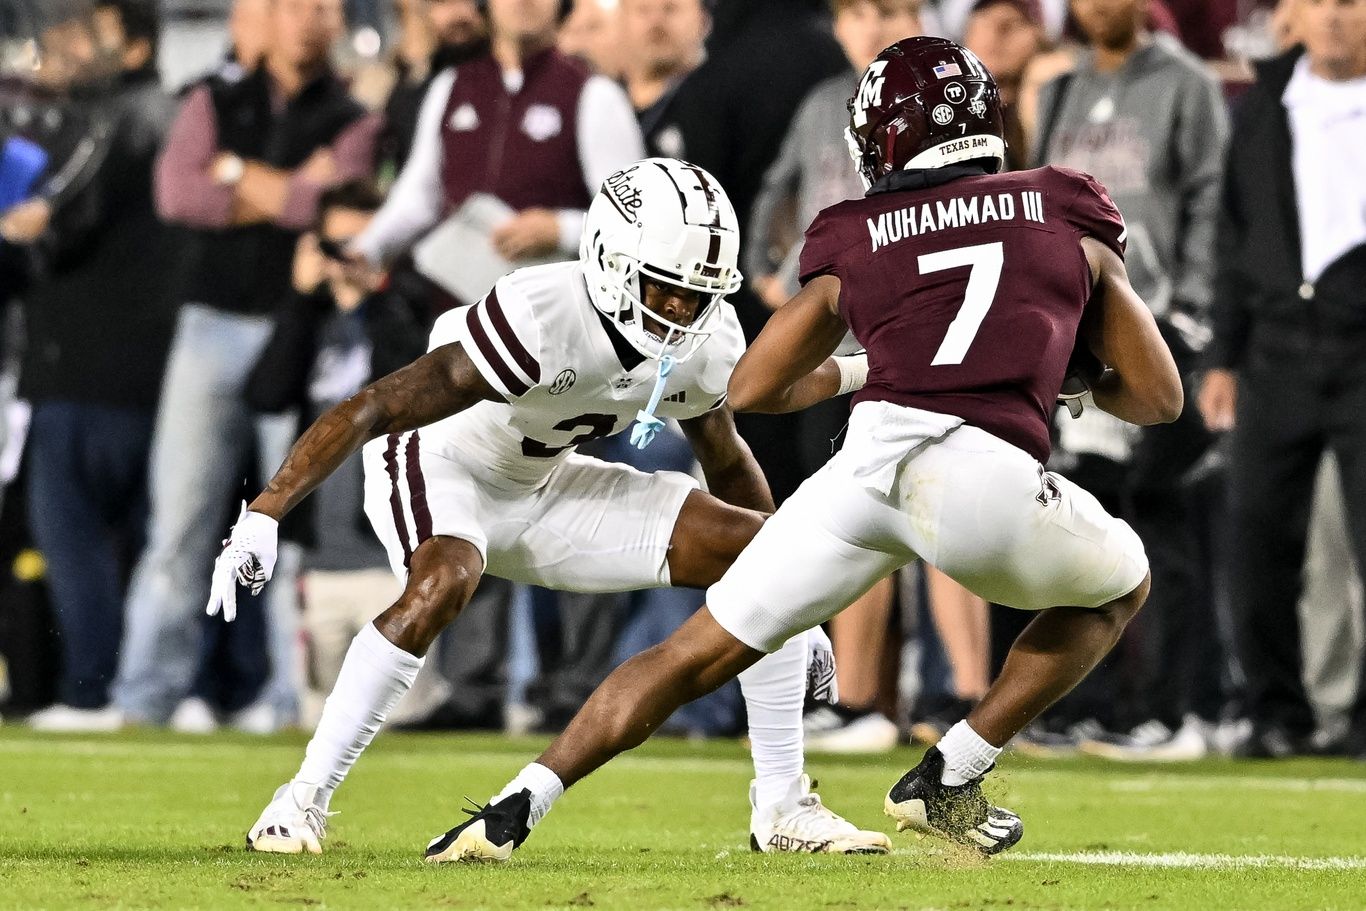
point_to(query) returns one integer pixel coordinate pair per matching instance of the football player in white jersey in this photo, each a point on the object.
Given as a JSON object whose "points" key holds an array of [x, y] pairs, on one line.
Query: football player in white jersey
{"points": [[470, 468]]}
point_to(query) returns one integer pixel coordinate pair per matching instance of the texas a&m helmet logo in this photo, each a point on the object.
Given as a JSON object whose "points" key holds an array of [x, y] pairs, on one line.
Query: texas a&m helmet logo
{"points": [[869, 93]]}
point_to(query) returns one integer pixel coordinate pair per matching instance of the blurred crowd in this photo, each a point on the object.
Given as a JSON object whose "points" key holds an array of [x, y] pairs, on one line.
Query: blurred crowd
{"points": [[190, 273]]}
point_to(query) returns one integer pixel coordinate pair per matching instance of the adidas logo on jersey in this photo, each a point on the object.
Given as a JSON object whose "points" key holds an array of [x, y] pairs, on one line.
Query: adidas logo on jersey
{"points": [[678, 398]]}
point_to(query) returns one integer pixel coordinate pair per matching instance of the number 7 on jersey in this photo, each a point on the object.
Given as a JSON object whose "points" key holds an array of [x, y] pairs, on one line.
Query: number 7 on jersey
{"points": [[983, 280]]}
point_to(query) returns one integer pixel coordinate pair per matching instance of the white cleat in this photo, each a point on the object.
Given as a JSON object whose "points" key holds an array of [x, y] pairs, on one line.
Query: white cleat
{"points": [[1190, 742], [801, 824], [68, 720], [193, 716], [259, 718], [291, 823], [829, 732]]}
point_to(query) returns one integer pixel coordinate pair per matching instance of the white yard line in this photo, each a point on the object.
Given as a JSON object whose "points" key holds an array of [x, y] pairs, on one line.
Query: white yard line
{"points": [[1117, 779], [1183, 860]]}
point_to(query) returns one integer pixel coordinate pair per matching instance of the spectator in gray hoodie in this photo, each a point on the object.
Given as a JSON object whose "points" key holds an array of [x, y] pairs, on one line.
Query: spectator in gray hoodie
{"points": [[812, 170], [1146, 118]]}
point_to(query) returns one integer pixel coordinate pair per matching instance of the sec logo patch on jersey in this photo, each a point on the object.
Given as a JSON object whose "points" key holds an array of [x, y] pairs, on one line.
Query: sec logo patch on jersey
{"points": [[563, 381]]}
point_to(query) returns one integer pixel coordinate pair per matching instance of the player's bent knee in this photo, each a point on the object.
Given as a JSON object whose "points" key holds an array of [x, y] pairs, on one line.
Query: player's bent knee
{"points": [[707, 539], [441, 580], [1126, 607]]}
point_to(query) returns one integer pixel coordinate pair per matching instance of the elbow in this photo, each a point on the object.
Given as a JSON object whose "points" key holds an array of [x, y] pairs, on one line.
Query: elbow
{"points": [[743, 394], [1171, 409], [1167, 403], [365, 412]]}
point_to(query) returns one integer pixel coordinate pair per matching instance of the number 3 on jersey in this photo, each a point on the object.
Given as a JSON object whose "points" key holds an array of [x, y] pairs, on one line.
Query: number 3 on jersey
{"points": [[983, 280]]}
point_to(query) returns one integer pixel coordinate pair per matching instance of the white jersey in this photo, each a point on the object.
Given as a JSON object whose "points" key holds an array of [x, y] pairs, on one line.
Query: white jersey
{"points": [[567, 375]]}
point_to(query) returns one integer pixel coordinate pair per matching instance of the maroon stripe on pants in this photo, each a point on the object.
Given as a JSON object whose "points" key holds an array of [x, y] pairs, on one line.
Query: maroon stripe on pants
{"points": [[417, 490], [395, 500]]}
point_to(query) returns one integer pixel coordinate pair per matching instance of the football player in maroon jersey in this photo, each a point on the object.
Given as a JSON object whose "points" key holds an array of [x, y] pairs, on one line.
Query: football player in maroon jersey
{"points": [[969, 290]]}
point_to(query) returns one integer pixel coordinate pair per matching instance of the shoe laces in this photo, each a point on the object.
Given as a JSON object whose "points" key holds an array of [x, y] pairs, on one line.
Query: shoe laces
{"points": [[316, 817]]}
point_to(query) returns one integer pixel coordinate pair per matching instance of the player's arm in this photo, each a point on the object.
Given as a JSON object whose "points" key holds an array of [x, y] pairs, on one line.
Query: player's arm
{"points": [[789, 367], [437, 385], [1141, 384], [733, 476]]}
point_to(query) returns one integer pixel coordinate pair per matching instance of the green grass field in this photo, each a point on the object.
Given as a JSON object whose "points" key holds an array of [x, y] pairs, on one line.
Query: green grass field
{"points": [[157, 821]]}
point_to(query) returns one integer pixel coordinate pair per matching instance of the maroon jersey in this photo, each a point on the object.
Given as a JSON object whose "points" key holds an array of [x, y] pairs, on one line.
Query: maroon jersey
{"points": [[520, 146], [967, 295]]}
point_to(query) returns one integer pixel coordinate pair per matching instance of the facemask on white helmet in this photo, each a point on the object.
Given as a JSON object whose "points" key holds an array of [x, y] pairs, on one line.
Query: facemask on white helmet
{"points": [[669, 221]]}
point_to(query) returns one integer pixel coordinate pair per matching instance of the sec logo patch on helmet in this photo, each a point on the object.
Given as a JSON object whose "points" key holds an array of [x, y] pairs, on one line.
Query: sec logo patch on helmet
{"points": [[942, 114], [563, 381]]}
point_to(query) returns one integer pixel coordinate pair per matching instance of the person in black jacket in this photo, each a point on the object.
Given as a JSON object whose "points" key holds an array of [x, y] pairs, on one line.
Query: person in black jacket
{"points": [[1288, 362], [99, 322], [730, 116], [244, 164], [340, 328]]}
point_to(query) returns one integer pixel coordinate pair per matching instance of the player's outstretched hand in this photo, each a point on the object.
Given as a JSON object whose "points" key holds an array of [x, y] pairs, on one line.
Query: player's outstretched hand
{"points": [[248, 559]]}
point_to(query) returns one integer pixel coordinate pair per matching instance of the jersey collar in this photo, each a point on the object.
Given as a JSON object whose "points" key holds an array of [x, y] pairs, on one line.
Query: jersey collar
{"points": [[925, 178], [626, 353]]}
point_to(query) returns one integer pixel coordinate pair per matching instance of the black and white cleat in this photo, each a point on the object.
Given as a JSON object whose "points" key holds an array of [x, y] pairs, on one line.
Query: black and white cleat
{"points": [[921, 801], [492, 832]]}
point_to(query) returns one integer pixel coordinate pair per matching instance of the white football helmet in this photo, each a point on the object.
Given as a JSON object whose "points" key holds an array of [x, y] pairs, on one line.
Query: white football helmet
{"points": [[671, 221]]}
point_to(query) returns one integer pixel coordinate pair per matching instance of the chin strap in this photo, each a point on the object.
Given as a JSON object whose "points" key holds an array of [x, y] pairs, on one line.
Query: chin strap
{"points": [[648, 426]]}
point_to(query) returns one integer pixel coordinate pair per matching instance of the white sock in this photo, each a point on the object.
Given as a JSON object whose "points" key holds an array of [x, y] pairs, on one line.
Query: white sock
{"points": [[966, 755], [373, 678], [775, 689], [545, 787]]}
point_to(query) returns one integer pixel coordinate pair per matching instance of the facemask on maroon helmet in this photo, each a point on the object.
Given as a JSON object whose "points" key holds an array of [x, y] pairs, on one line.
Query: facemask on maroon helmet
{"points": [[924, 103]]}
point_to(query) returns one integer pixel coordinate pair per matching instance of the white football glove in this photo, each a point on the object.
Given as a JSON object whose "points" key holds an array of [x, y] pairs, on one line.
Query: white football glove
{"points": [[248, 558], [821, 683]]}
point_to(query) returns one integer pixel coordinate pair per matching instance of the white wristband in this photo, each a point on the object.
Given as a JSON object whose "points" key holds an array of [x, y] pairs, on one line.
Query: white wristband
{"points": [[853, 372]]}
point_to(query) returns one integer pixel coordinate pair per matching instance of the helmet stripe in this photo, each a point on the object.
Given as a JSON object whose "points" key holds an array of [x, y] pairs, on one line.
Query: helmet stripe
{"points": [[712, 208], [682, 201]]}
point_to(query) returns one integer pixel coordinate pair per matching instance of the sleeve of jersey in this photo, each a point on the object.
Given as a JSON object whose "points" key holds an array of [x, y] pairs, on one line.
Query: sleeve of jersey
{"points": [[730, 345], [502, 337], [820, 251], [1095, 214]]}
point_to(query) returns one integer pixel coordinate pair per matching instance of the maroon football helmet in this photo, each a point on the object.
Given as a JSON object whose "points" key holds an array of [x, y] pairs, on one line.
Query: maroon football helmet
{"points": [[925, 103]]}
